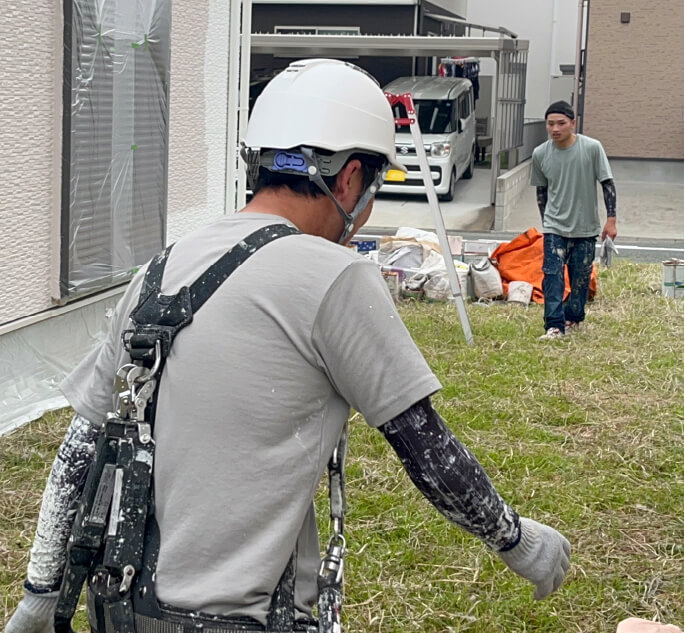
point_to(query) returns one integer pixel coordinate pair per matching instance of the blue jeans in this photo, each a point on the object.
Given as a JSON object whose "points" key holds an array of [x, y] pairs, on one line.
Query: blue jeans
{"points": [[577, 253]]}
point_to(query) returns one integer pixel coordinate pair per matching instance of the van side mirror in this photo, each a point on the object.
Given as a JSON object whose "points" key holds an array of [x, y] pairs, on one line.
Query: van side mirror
{"points": [[460, 125]]}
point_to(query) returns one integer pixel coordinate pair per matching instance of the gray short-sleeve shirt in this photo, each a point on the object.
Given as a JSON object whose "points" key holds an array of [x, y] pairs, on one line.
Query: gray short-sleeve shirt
{"points": [[571, 177], [252, 400]]}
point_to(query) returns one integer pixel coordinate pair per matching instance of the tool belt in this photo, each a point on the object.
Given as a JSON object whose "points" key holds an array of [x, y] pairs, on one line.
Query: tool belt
{"points": [[115, 538], [175, 620]]}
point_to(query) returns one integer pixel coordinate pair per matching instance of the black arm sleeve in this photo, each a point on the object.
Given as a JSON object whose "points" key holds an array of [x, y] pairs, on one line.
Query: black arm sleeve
{"points": [[541, 195], [450, 477], [609, 190]]}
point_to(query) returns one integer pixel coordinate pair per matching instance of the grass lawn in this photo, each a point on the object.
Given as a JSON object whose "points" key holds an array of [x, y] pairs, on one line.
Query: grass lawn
{"points": [[584, 433]]}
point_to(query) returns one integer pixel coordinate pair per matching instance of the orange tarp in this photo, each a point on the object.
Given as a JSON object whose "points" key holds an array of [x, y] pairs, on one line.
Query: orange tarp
{"points": [[521, 260]]}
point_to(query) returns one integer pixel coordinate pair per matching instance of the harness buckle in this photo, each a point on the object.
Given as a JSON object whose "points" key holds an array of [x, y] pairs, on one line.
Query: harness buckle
{"points": [[127, 580], [332, 562]]}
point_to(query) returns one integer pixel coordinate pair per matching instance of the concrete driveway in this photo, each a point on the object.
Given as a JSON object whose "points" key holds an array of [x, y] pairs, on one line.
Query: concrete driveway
{"points": [[650, 206], [469, 211]]}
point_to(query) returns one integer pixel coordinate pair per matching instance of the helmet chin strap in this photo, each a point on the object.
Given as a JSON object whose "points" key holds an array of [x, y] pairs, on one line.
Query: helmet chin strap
{"points": [[314, 173]]}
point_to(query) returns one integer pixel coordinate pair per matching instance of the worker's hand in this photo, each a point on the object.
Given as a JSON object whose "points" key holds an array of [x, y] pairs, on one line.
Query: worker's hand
{"points": [[542, 556], [610, 229], [34, 614]]}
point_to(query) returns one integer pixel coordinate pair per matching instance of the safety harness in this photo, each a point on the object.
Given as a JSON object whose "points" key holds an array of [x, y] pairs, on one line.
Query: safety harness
{"points": [[114, 543]]}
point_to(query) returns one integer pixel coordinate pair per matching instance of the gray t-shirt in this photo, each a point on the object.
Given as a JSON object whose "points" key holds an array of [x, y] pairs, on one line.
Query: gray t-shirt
{"points": [[251, 403], [571, 176]]}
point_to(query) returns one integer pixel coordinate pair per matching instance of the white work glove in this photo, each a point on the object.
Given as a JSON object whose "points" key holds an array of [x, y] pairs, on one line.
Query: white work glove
{"points": [[34, 614], [542, 556]]}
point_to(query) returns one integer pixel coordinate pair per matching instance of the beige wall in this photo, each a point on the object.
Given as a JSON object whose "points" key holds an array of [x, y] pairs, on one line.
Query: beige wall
{"points": [[30, 153], [634, 91]]}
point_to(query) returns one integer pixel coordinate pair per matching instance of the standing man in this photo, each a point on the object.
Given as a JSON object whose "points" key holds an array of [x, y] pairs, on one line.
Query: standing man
{"points": [[258, 387], [565, 172]]}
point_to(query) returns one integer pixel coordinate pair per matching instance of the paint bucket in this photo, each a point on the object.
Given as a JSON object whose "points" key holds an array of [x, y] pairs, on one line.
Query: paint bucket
{"points": [[672, 284], [519, 292]]}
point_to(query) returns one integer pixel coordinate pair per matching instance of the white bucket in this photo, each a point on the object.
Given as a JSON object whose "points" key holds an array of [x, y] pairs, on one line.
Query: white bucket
{"points": [[520, 292], [672, 284]]}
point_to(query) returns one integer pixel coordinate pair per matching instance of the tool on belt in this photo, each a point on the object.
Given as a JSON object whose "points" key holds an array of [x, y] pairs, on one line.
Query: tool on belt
{"points": [[115, 538]]}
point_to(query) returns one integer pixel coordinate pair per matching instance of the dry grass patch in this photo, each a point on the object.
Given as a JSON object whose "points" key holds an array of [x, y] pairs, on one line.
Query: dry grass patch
{"points": [[584, 433]]}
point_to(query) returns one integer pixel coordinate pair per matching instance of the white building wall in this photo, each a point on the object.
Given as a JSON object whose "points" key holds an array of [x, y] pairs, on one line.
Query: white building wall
{"points": [[30, 138], [550, 27], [197, 114]]}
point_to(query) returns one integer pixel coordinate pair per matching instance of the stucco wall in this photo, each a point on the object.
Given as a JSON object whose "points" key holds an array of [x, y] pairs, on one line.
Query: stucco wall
{"points": [[197, 114], [30, 138], [634, 93]]}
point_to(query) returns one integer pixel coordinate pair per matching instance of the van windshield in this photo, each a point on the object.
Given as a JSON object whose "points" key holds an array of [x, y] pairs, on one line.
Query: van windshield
{"points": [[434, 115]]}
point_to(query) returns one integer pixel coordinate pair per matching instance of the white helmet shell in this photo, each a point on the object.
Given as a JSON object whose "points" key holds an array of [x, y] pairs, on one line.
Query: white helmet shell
{"points": [[326, 104]]}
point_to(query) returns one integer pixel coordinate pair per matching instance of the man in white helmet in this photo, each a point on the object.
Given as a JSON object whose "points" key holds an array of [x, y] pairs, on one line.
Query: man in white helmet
{"points": [[257, 389]]}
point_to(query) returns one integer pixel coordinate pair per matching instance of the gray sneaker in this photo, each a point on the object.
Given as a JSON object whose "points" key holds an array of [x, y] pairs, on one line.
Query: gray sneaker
{"points": [[572, 326], [551, 333]]}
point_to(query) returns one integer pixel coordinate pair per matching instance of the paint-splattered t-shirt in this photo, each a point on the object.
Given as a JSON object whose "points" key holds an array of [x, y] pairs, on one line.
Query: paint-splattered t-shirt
{"points": [[252, 400]]}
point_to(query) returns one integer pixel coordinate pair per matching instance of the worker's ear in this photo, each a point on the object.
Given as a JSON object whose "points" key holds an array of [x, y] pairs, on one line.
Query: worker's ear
{"points": [[347, 182]]}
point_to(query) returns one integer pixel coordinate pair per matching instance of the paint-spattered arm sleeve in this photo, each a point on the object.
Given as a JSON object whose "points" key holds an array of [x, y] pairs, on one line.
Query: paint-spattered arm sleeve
{"points": [[58, 509], [450, 477]]}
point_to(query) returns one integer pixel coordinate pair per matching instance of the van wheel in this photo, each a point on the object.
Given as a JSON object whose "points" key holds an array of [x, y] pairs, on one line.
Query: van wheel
{"points": [[468, 174], [449, 196]]}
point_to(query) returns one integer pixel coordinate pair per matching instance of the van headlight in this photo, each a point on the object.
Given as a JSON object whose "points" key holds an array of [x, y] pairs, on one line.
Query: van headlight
{"points": [[440, 149]]}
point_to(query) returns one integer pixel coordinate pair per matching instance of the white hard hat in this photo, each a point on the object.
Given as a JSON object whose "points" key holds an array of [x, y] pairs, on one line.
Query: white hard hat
{"points": [[325, 104]]}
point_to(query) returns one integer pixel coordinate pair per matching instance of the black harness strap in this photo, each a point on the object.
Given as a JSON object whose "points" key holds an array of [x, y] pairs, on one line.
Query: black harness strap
{"points": [[160, 317], [129, 547]]}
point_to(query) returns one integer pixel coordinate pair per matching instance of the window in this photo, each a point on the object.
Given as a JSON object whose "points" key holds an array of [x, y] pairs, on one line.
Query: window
{"points": [[465, 105], [115, 138], [435, 116]]}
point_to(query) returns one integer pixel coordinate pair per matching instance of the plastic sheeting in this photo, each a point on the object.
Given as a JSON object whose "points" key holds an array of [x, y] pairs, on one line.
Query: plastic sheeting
{"points": [[34, 359], [116, 82]]}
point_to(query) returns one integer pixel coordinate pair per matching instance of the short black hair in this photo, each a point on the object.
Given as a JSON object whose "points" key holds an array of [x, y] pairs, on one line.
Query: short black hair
{"points": [[301, 185]]}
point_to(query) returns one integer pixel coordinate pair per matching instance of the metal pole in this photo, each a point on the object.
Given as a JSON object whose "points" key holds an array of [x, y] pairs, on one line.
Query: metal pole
{"points": [[494, 167], [244, 105], [232, 114], [457, 295], [553, 50], [579, 47]]}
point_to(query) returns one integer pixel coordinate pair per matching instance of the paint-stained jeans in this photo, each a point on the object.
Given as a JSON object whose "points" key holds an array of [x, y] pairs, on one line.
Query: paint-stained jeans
{"points": [[578, 254]]}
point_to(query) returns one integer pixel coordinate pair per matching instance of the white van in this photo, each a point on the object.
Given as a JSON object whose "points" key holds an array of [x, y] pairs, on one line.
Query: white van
{"points": [[447, 120]]}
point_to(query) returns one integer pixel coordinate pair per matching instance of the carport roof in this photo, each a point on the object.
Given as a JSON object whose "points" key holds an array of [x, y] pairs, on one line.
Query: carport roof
{"points": [[301, 45]]}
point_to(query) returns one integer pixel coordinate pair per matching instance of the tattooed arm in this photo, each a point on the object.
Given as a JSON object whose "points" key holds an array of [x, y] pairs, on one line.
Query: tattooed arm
{"points": [[541, 195], [451, 478], [609, 191]]}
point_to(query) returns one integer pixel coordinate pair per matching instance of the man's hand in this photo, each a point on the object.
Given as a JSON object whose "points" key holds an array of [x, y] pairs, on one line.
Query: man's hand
{"points": [[610, 229], [542, 556], [35, 613]]}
